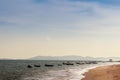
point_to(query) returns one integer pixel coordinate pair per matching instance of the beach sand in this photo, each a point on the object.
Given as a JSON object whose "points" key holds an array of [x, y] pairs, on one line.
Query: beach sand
{"points": [[111, 72]]}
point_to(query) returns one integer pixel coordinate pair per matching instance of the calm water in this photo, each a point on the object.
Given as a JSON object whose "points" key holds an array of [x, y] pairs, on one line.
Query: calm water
{"points": [[18, 70]]}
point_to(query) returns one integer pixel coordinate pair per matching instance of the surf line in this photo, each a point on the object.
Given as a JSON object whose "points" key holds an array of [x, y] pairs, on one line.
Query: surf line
{"points": [[82, 72]]}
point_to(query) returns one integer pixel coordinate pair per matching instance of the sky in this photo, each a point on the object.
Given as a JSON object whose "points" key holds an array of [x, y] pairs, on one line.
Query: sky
{"points": [[59, 27]]}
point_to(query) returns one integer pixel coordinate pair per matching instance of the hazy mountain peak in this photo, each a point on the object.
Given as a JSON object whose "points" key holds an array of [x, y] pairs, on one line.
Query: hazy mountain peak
{"points": [[71, 57]]}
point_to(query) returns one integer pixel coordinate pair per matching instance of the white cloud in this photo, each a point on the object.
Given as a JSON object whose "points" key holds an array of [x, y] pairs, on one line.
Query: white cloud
{"points": [[63, 14]]}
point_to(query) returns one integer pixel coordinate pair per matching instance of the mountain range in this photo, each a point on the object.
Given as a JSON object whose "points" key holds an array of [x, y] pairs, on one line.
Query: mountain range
{"points": [[73, 58]]}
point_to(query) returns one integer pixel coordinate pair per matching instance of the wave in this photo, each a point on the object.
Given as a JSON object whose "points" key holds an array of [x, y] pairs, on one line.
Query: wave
{"points": [[73, 73]]}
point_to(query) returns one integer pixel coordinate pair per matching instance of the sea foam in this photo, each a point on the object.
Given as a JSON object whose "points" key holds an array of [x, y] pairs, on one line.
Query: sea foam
{"points": [[73, 73]]}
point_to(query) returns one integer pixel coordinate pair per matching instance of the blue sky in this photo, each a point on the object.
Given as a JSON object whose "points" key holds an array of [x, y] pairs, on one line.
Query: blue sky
{"points": [[81, 24]]}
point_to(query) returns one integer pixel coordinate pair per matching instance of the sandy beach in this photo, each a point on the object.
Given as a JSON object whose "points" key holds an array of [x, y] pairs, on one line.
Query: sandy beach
{"points": [[111, 72]]}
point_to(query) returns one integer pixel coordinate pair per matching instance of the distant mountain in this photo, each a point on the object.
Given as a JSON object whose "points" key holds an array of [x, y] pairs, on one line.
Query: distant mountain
{"points": [[72, 58], [57, 58]]}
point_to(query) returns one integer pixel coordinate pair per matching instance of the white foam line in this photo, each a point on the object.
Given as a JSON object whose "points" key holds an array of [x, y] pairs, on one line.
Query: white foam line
{"points": [[89, 68], [75, 73]]}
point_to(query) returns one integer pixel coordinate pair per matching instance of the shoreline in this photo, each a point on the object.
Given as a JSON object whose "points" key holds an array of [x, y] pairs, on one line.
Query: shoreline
{"points": [[106, 72]]}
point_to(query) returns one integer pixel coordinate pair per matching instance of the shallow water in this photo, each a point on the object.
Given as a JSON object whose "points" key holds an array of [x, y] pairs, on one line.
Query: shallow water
{"points": [[71, 73], [17, 70]]}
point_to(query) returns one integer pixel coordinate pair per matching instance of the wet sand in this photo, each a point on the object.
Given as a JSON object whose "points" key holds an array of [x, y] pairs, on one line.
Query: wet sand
{"points": [[103, 73]]}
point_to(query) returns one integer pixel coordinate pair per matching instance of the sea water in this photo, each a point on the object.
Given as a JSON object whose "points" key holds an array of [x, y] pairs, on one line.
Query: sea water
{"points": [[18, 70]]}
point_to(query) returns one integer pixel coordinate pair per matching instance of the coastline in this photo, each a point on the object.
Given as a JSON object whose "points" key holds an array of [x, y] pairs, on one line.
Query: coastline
{"points": [[18, 70], [107, 72]]}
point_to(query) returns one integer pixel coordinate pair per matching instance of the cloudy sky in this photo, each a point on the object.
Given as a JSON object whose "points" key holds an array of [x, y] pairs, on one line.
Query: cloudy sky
{"points": [[59, 27]]}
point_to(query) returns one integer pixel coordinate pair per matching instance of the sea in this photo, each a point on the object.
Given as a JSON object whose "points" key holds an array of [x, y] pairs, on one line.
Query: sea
{"points": [[19, 70]]}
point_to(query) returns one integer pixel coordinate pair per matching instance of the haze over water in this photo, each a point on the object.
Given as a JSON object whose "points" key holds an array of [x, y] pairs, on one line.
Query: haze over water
{"points": [[53, 30]]}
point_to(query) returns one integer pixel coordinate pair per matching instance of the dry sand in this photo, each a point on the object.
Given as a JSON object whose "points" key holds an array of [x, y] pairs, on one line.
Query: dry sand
{"points": [[103, 73]]}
